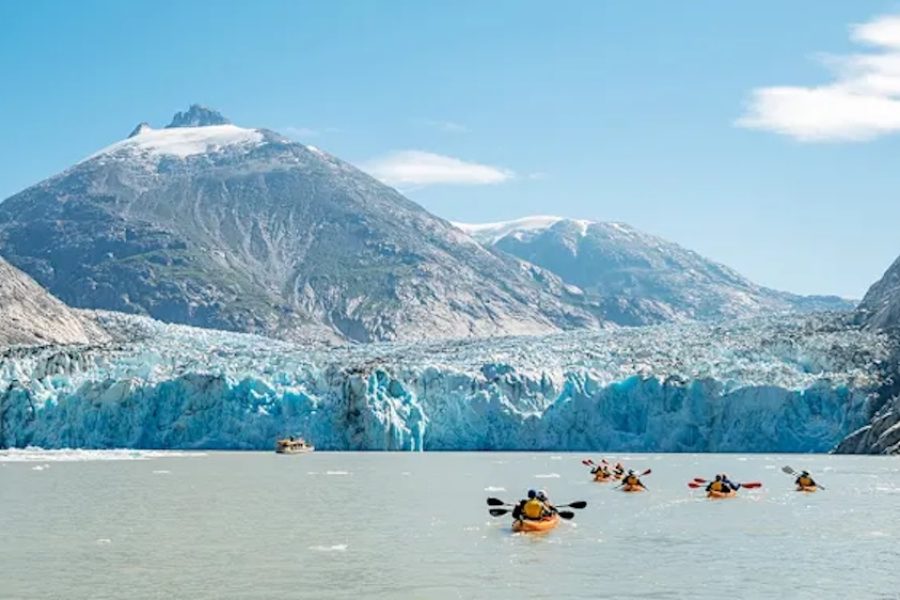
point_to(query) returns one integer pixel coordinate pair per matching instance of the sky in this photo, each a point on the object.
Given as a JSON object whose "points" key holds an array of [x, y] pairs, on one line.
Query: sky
{"points": [[764, 135]]}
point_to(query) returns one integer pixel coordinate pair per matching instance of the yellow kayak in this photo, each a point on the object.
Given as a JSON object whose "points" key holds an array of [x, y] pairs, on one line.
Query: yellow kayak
{"points": [[713, 495], [809, 489], [633, 488], [533, 525]]}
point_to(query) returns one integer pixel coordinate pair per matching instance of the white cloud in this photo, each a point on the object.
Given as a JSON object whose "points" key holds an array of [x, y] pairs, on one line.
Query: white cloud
{"points": [[444, 126], [862, 101], [415, 167]]}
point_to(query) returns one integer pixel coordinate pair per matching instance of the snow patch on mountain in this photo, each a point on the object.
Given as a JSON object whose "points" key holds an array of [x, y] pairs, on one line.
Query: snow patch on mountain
{"points": [[182, 142], [490, 233]]}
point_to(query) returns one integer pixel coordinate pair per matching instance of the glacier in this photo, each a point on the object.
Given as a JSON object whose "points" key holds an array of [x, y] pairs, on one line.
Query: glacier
{"points": [[785, 383]]}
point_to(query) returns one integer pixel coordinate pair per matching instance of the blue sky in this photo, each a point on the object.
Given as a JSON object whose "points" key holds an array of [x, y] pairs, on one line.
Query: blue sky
{"points": [[765, 136]]}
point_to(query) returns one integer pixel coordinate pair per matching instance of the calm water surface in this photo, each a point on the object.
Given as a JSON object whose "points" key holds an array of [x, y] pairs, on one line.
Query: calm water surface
{"points": [[346, 525]]}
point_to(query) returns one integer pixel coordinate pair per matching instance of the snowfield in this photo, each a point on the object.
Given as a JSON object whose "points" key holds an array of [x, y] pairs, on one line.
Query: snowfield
{"points": [[776, 384]]}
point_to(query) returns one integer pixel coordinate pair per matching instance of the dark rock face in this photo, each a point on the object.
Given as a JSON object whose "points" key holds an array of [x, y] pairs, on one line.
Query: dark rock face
{"points": [[209, 224], [198, 116]]}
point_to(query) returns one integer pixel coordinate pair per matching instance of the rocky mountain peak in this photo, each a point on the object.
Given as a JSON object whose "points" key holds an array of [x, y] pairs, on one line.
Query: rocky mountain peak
{"points": [[198, 116]]}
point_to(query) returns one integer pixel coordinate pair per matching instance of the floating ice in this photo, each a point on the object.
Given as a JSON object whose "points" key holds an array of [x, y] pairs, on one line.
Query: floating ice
{"points": [[334, 548]]}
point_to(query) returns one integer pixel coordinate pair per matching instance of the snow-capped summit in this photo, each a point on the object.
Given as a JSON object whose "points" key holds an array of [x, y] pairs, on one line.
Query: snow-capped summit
{"points": [[198, 116], [184, 141], [211, 224], [634, 277]]}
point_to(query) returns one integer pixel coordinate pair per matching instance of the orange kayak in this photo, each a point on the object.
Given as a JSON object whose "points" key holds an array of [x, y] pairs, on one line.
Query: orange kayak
{"points": [[809, 489], [720, 495], [532, 525], [633, 488], [602, 479]]}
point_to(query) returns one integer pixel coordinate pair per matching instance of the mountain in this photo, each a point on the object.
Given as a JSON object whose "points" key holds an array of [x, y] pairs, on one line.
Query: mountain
{"points": [[214, 225], [31, 316], [634, 278], [880, 308]]}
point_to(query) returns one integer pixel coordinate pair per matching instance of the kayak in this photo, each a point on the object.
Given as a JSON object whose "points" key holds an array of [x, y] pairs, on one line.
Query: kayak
{"points": [[713, 495], [601, 479], [532, 525], [809, 489], [633, 488]]}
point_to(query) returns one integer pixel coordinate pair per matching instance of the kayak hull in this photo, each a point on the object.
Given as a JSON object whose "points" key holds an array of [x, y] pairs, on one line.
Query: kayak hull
{"points": [[633, 488], [807, 489], [535, 526], [603, 479], [713, 495]]}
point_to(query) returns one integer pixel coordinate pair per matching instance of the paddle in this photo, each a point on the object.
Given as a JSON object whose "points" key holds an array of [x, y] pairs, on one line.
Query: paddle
{"points": [[499, 512], [577, 504], [498, 502], [791, 471]]}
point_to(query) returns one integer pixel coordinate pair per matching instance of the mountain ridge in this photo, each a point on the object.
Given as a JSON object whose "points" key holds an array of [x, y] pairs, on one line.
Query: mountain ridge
{"points": [[637, 278]]}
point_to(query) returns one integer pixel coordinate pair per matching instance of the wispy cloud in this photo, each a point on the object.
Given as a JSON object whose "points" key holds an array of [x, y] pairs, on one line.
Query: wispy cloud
{"points": [[443, 126], [861, 102], [415, 167]]}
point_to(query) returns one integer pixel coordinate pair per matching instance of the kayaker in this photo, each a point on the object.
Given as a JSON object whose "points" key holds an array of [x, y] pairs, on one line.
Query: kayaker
{"points": [[728, 484], [517, 511], [549, 508], [602, 471], [805, 481], [717, 485], [631, 480], [534, 508], [619, 470]]}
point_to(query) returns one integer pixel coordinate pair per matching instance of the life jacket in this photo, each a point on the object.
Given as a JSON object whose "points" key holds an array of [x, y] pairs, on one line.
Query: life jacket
{"points": [[533, 509], [806, 482], [631, 480], [717, 486]]}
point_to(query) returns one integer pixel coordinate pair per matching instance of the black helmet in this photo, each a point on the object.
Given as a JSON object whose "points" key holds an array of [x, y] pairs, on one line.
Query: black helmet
{"points": [[531, 494]]}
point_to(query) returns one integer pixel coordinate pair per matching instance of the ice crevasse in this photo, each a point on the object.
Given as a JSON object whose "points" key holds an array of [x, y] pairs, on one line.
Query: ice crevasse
{"points": [[778, 384]]}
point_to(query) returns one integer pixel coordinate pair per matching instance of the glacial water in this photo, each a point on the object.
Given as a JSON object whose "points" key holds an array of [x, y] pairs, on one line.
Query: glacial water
{"points": [[139, 525]]}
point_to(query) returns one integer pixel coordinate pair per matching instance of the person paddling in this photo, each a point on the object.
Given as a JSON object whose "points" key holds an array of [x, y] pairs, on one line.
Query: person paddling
{"points": [[632, 481], [532, 509], [728, 484], [804, 480], [619, 470], [718, 486], [549, 509]]}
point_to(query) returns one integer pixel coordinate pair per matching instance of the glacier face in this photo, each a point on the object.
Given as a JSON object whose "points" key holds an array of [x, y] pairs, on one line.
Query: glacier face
{"points": [[796, 383]]}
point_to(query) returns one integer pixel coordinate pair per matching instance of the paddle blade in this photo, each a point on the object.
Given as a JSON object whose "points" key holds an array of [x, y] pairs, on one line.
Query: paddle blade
{"points": [[495, 502], [498, 512], [788, 470], [695, 485], [586, 463], [565, 514], [700, 480], [647, 472], [578, 504], [752, 485]]}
